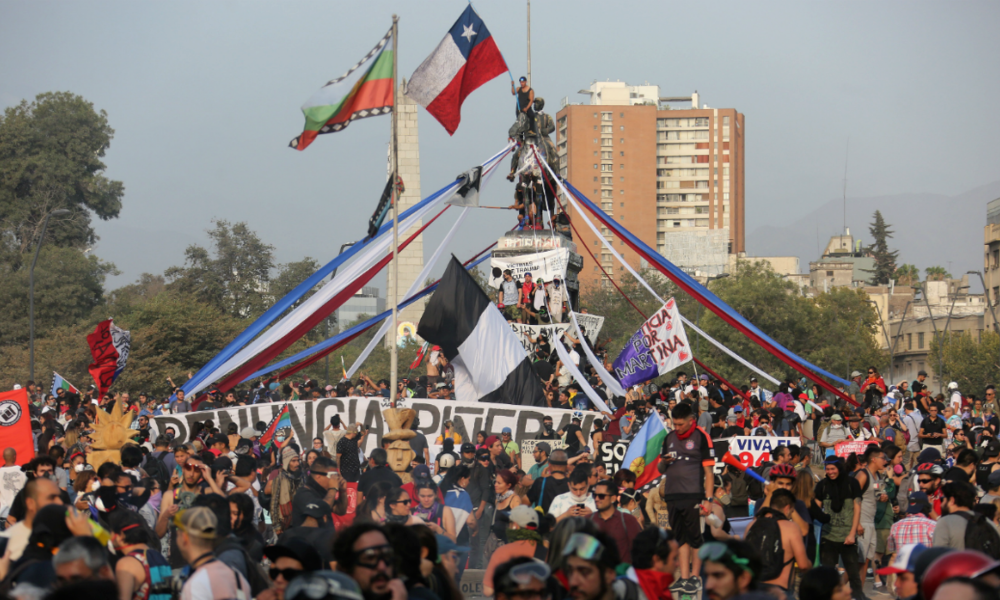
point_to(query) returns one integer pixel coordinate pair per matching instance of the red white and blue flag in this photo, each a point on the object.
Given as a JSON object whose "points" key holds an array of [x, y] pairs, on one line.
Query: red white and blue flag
{"points": [[464, 60], [109, 345]]}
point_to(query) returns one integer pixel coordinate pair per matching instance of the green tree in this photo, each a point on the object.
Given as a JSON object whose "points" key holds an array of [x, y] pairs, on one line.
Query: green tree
{"points": [[907, 274], [69, 285], [234, 277], [885, 260], [971, 363], [937, 273], [50, 158]]}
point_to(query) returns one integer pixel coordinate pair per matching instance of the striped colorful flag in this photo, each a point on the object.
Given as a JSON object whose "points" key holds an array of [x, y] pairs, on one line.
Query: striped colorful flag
{"points": [[643, 453], [59, 383], [366, 90], [281, 420]]}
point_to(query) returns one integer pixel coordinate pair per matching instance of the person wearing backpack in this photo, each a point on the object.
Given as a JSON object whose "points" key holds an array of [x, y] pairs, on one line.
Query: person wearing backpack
{"points": [[779, 541], [160, 463], [961, 528]]}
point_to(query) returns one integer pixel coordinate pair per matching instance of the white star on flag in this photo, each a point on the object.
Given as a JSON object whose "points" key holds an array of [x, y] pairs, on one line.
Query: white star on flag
{"points": [[467, 32]]}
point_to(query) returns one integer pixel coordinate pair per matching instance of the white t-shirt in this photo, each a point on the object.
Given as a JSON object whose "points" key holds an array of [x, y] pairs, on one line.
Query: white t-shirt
{"points": [[12, 479], [566, 501], [216, 581], [701, 390], [955, 400]]}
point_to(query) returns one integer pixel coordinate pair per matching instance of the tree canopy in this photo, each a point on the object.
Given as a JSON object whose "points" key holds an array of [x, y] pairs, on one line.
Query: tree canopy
{"points": [[885, 259]]}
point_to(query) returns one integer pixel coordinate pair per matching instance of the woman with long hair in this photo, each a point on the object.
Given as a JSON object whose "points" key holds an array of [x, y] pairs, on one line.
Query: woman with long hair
{"points": [[372, 509], [397, 506], [458, 500], [438, 517], [804, 488], [241, 511], [481, 440], [142, 572], [432, 566]]}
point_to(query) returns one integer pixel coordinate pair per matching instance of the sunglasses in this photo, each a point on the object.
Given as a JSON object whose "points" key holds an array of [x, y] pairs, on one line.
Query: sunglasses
{"points": [[584, 546], [603, 496], [288, 574], [190, 467], [369, 558], [925, 481], [406, 502]]}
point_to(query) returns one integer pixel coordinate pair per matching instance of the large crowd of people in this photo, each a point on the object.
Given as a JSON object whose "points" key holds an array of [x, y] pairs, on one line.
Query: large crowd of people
{"points": [[912, 510]]}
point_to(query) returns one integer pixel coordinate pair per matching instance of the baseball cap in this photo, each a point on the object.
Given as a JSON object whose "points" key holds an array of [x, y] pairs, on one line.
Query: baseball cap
{"points": [[836, 417], [524, 517], [855, 374], [248, 432], [421, 472], [505, 430], [753, 380], [446, 461], [445, 544], [544, 447], [468, 447], [703, 377], [199, 522], [906, 557], [918, 503], [737, 408], [297, 549], [323, 585]]}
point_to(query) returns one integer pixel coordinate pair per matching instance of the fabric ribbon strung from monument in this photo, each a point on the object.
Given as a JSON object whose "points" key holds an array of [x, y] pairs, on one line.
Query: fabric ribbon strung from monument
{"points": [[327, 346], [223, 362], [313, 318], [707, 298], [610, 247], [589, 391], [609, 380]]}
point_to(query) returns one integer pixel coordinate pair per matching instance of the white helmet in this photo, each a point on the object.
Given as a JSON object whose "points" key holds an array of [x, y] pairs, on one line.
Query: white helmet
{"points": [[952, 386]]}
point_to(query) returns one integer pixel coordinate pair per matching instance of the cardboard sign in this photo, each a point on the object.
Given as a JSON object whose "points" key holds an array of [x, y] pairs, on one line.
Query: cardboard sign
{"points": [[542, 265], [611, 455], [753, 451]]}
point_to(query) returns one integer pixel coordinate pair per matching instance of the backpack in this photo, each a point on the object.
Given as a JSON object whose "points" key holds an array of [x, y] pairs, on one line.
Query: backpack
{"points": [[157, 469], [255, 572], [980, 535], [755, 489], [739, 492], [765, 535], [631, 589]]}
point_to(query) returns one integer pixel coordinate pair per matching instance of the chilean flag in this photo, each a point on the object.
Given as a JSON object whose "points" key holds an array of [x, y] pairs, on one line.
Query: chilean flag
{"points": [[464, 60], [110, 347]]}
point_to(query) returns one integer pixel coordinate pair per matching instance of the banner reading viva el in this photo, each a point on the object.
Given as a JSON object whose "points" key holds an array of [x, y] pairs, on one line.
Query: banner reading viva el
{"points": [[15, 424], [659, 347], [109, 345]]}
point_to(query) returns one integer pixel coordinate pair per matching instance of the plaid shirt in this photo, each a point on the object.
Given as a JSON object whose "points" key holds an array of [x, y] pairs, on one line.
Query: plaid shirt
{"points": [[914, 529]]}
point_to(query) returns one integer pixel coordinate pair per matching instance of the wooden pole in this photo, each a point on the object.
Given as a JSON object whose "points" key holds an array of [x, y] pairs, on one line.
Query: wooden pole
{"points": [[394, 350]]}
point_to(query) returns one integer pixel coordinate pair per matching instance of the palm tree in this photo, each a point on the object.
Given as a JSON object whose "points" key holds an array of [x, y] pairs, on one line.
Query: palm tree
{"points": [[937, 273], [906, 274]]}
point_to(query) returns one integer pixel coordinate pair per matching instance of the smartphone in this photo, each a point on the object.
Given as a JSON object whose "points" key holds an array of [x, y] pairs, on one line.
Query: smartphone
{"points": [[581, 506], [672, 455], [177, 469]]}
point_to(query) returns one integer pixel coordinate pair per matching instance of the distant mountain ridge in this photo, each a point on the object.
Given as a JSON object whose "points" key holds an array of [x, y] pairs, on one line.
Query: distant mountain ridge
{"points": [[928, 229]]}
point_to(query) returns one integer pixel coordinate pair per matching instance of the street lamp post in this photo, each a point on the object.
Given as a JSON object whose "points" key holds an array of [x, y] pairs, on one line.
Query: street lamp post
{"points": [[945, 332], [986, 294], [31, 294]]}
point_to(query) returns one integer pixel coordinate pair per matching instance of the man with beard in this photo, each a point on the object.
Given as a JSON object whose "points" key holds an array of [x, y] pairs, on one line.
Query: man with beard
{"points": [[957, 516], [195, 480], [363, 553], [589, 568], [282, 487], [731, 569], [840, 496]]}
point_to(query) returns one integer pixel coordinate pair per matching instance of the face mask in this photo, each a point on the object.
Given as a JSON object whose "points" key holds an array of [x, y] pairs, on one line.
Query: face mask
{"points": [[400, 519], [96, 485], [725, 499], [170, 435], [154, 499], [548, 426]]}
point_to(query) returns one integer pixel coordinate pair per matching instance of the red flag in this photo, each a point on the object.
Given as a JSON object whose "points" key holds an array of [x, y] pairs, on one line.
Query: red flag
{"points": [[109, 345], [15, 423]]}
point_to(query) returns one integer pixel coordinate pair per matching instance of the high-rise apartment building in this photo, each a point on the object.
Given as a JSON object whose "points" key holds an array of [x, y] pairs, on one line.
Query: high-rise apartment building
{"points": [[672, 175]]}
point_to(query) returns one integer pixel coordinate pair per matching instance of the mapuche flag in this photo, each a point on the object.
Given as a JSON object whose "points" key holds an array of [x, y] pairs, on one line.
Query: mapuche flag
{"points": [[109, 345], [366, 90], [464, 60], [643, 452], [60, 383], [282, 420]]}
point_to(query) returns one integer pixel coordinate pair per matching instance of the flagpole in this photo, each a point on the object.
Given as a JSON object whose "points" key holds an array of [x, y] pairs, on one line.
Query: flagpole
{"points": [[529, 43], [393, 351]]}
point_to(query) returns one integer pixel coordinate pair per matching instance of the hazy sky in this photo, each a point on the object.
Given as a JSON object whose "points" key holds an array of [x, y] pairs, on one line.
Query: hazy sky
{"points": [[204, 98]]}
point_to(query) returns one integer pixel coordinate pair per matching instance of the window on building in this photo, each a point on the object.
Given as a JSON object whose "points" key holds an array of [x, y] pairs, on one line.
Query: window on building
{"points": [[595, 180], [909, 341], [725, 121], [622, 115], [605, 128], [621, 128], [622, 153], [621, 179], [605, 154], [595, 115], [595, 127], [920, 341], [605, 181], [829, 273], [606, 141], [605, 116], [621, 204], [606, 168], [621, 192], [621, 141], [621, 166], [595, 165]]}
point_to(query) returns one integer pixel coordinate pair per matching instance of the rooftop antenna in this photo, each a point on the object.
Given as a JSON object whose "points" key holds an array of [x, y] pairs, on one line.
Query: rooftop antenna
{"points": [[846, 154]]}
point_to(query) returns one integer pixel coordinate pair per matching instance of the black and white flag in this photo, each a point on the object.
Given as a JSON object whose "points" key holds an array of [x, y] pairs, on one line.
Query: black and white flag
{"points": [[467, 193], [490, 363]]}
